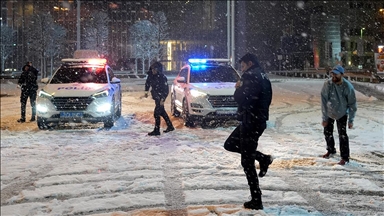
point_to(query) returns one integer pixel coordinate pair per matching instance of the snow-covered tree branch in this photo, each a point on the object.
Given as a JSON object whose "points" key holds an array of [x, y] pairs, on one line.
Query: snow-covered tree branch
{"points": [[95, 35], [146, 38], [7, 43], [45, 38]]}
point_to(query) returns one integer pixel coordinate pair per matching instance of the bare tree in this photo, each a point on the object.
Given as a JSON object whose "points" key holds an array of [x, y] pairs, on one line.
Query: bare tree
{"points": [[146, 37], [56, 42], [43, 36], [7, 43], [160, 21], [143, 39], [95, 35]]}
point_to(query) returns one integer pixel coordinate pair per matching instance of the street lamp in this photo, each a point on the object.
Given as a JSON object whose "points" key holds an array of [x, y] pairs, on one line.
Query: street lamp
{"points": [[361, 32]]}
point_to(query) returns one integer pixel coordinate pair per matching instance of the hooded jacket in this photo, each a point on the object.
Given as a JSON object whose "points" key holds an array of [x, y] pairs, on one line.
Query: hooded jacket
{"points": [[28, 79], [338, 100], [253, 96], [159, 85]]}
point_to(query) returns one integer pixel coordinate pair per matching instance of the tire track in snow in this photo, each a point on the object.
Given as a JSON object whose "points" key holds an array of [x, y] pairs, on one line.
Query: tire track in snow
{"points": [[24, 183], [173, 189]]}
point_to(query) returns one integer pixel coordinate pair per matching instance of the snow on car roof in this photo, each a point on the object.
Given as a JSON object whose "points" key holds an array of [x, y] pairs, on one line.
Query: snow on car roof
{"points": [[91, 61]]}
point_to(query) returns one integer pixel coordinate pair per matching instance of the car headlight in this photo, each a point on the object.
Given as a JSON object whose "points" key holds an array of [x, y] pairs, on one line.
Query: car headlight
{"points": [[196, 93], [103, 93], [104, 107], [44, 94], [41, 108]]}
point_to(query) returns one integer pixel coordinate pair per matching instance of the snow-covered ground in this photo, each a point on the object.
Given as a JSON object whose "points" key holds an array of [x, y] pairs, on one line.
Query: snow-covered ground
{"points": [[91, 171]]}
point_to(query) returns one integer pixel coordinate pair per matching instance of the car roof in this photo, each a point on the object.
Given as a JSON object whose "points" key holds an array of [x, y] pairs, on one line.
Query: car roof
{"points": [[84, 62]]}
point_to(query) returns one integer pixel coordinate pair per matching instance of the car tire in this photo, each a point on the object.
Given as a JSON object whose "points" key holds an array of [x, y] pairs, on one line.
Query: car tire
{"points": [[185, 115], [209, 124], [110, 120], [174, 111], [41, 124], [118, 113]]}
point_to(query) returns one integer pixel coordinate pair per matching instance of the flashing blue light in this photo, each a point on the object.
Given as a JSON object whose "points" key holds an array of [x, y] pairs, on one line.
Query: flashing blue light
{"points": [[199, 67], [197, 61]]}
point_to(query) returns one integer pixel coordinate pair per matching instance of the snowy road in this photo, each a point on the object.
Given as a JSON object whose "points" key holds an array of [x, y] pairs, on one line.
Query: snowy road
{"points": [[90, 171]]}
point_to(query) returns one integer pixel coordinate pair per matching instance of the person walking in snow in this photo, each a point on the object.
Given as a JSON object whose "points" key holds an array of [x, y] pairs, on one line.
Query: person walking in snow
{"points": [[28, 84], [158, 83], [253, 95], [338, 102]]}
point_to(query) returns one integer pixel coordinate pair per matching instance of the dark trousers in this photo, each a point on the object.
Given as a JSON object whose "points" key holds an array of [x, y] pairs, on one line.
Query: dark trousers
{"points": [[160, 111], [343, 137], [244, 140], [25, 94]]}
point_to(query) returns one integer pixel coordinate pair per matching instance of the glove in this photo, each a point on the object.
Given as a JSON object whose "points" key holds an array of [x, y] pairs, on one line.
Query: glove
{"points": [[146, 94]]}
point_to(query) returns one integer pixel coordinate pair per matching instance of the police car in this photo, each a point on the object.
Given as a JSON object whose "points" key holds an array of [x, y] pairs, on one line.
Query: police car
{"points": [[80, 91], [203, 91]]}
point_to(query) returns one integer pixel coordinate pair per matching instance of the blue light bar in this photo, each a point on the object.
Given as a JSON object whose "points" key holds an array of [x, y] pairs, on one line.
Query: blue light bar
{"points": [[199, 67], [197, 60]]}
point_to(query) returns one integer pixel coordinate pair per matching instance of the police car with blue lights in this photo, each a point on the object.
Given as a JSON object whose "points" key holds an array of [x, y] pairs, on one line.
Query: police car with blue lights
{"points": [[203, 91], [82, 90]]}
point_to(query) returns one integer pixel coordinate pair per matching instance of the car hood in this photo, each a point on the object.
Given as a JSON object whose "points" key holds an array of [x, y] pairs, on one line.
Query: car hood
{"points": [[224, 88], [74, 89]]}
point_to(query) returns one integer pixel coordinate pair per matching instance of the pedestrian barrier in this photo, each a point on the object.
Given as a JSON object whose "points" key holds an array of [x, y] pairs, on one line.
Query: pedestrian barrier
{"points": [[321, 74]]}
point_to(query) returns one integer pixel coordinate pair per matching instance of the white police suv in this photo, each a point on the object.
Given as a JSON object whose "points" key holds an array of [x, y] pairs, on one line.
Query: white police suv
{"points": [[203, 91], [80, 91]]}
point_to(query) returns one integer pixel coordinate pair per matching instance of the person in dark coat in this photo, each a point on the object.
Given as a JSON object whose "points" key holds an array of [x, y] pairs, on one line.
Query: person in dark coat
{"points": [[28, 84], [148, 82], [253, 95], [158, 83]]}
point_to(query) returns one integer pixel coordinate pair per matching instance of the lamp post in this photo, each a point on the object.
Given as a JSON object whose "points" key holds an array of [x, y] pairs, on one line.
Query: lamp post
{"points": [[78, 18], [361, 32]]}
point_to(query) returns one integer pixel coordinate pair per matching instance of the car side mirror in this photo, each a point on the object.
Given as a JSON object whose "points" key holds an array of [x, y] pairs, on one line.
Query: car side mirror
{"points": [[115, 80], [180, 80]]}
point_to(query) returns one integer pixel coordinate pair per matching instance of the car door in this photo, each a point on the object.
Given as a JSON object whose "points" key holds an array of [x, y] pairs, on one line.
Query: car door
{"points": [[179, 88], [116, 87]]}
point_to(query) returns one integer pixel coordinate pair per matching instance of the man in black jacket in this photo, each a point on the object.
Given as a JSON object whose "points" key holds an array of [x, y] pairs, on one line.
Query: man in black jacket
{"points": [[158, 83], [28, 84], [253, 95]]}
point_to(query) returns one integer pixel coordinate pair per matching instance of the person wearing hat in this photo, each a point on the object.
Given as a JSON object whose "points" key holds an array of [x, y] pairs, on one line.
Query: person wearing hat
{"points": [[253, 95], [28, 84], [338, 103], [158, 83]]}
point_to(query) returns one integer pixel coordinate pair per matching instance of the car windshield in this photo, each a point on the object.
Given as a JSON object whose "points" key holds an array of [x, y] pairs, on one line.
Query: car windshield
{"points": [[80, 75], [212, 74]]}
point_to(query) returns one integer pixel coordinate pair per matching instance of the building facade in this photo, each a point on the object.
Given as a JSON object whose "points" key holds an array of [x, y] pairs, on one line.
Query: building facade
{"points": [[305, 33]]}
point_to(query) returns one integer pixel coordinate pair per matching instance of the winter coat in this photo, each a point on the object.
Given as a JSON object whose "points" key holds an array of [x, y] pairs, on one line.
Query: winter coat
{"points": [[159, 86], [253, 96], [148, 80], [338, 100], [28, 79]]}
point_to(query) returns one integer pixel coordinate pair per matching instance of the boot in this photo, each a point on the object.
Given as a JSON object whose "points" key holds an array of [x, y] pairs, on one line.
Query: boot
{"points": [[328, 155], [255, 203], [33, 119], [22, 120], [169, 129], [154, 133], [264, 166]]}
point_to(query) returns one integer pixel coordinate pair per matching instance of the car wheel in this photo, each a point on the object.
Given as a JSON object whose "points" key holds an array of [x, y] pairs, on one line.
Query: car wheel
{"points": [[41, 124], [110, 120], [209, 124], [118, 113], [185, 115], [174, 111]]}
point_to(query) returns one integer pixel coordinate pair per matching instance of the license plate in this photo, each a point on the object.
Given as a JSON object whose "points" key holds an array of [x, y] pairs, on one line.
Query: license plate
{"points": [[71, 114], [226, 112]]}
